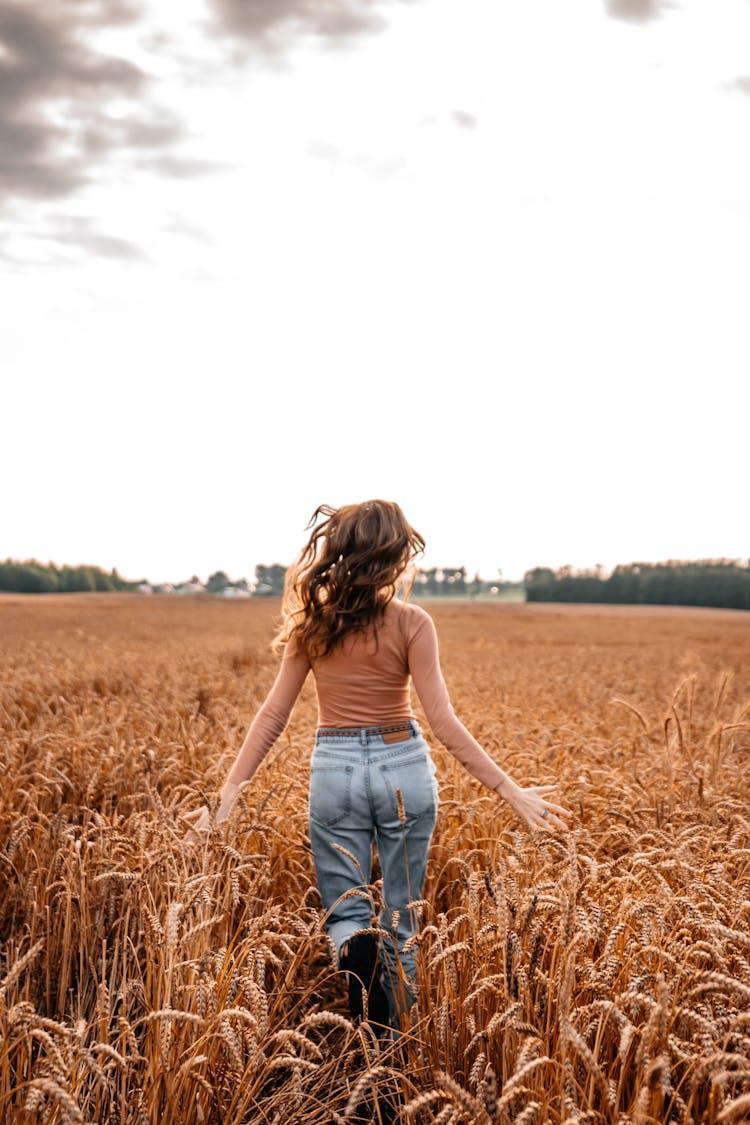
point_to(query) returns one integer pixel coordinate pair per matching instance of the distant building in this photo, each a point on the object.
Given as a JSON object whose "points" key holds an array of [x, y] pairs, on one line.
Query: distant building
{"points": [[192, 587], [262, 589]]}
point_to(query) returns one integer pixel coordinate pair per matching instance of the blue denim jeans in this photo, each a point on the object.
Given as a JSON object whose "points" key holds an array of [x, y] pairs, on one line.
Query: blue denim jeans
{"points": [[365, 788]]}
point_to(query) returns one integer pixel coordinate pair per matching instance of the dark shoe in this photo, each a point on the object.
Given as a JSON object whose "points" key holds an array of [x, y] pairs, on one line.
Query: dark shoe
{"points": [[361, 964]]}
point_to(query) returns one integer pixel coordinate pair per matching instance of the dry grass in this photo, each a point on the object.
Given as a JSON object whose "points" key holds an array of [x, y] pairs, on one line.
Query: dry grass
{"points": [[602, 978]]}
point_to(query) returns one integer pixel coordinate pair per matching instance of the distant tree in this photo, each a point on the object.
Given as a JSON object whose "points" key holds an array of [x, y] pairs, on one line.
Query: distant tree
{"points": [[101, 579], [451, 581], [454, 580], [218, 582], [26, 577], [431, 581], [270, 579], [120, 583], [540, 584], [76, 579], [623, 584]]}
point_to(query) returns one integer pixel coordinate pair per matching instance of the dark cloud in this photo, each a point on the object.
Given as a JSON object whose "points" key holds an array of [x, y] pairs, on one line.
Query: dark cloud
{"points": [[71, 113], [24, 169], [139, 131], [274, 24], [637, 11], [103, 12], [44, 71], [67, 109]]}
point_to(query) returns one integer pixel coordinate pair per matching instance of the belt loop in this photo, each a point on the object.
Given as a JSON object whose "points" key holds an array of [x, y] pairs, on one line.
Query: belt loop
{"points": [[363, 737]]}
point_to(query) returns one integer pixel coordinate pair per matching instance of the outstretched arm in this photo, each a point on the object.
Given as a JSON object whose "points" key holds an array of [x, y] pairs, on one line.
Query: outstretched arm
{"points": [[424, 665], [265, 728]]}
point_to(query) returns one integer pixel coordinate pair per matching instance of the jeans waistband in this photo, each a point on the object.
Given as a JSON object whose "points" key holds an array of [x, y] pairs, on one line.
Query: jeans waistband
{"points": [[366, 734]]}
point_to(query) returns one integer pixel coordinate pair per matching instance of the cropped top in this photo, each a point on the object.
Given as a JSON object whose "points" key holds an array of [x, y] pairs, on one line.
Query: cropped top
{"points": [[364, 682]]}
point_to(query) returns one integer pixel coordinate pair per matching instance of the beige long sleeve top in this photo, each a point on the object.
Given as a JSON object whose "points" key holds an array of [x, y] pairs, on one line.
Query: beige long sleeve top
{"points": [[365, 682]]}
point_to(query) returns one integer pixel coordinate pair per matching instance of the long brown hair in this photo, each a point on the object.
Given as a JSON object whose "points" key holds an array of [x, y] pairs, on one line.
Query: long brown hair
{"points": [[346, 573]]}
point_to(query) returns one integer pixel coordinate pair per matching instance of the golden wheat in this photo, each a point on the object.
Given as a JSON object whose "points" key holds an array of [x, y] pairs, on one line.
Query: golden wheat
{"points": [[604, 977]]}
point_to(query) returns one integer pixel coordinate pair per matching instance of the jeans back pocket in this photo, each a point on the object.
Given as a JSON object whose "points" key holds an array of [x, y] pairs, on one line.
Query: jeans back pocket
{"points": [[414, 777], [330, 792]]}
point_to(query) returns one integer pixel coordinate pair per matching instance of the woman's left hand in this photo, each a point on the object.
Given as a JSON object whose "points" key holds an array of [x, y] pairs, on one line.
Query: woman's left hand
{"points": [[202, 816]]}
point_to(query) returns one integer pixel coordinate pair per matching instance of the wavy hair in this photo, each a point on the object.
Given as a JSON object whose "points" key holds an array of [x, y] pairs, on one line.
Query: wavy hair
{"points": [[346, 574]]}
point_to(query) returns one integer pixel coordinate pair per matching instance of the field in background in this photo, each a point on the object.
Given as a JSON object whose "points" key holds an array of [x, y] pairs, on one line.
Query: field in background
{"points": [[514, 594], [604, 977]]}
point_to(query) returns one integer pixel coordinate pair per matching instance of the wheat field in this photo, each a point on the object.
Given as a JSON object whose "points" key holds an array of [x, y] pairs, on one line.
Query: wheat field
{"points": [[600, 977]]}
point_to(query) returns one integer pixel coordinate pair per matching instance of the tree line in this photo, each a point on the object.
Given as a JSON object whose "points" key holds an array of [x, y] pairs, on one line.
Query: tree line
{"points": [[433, 582], [32, 577], [721, 583]]}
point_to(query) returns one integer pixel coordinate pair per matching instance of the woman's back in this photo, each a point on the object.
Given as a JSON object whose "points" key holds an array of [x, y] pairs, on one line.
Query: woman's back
{"points": [[364, 680]]}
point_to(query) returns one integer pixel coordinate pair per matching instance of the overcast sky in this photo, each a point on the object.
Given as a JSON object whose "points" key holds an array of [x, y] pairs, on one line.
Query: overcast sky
{"points": [[488, 259]]}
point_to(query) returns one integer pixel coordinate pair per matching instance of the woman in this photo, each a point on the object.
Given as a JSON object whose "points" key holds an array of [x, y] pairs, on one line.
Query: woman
{"points": [[371, 777]]}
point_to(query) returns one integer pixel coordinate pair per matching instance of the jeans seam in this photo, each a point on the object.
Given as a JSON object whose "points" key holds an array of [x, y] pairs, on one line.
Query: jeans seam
{"points": [[368, 789], [388, 765], [376, 755]]}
